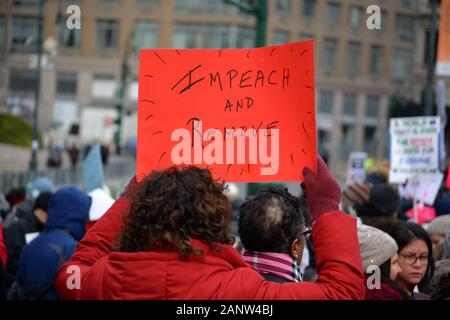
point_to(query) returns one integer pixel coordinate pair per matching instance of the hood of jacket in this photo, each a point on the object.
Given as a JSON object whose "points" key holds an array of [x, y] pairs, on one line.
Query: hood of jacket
{"points": [[69, 209]]}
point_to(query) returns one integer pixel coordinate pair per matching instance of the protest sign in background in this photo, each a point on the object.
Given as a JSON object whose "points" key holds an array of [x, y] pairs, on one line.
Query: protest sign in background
{"points": [[423, 189], [355, 167], [246, 114], [93, 170], [414, 147]]}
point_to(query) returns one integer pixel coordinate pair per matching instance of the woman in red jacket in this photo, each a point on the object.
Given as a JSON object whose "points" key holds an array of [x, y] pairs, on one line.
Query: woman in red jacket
{"points": [[172, 244]]}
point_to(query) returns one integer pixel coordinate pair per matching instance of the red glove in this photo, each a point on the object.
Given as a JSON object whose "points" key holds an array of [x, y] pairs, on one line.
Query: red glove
{"points": [[322, 192]]}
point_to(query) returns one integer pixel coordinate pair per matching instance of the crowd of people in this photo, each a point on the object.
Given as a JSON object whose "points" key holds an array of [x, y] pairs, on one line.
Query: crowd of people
{"points": [[181, 234]]}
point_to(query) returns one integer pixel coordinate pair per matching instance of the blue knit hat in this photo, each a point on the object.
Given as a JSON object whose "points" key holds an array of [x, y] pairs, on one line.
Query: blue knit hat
{"points": [[39, 185]]}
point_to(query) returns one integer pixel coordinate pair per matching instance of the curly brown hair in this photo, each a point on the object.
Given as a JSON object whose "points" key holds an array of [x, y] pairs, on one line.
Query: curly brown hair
{"points": [[173, 206]]}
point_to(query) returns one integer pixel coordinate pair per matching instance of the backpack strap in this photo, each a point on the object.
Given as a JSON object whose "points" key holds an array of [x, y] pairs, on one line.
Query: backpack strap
{"points": [[49, 284]]}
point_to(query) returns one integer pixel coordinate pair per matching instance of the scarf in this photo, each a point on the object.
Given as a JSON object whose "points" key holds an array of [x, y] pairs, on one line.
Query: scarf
{"points": [[281, 265]]}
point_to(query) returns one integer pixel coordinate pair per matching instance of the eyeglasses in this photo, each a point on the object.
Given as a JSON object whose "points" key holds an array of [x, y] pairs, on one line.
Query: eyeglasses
{"points": [[412, 259], [307, 233]]}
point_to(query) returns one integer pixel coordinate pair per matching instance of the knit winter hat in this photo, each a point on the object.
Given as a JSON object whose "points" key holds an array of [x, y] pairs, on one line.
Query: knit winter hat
{"points": [[376, 246], [440, 225], [39, 185], [101, 202], [447, 243], [384, 201]]}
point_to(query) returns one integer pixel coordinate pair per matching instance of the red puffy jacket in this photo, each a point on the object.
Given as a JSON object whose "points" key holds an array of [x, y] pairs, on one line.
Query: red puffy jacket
{"points": [[217, 275]]}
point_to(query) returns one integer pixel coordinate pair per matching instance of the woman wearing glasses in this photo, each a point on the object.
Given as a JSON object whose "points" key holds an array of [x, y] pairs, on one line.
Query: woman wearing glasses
{"points": [[415, 258], [379, 253]]}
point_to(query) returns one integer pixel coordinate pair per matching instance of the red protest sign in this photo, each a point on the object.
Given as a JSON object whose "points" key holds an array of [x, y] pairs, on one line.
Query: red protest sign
{"points": [[246, 114]]}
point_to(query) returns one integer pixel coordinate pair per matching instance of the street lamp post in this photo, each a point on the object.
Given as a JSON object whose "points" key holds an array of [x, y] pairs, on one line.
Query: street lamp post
{"points": [[121, 94], [429, 88], [259, 10], [35, 139]]}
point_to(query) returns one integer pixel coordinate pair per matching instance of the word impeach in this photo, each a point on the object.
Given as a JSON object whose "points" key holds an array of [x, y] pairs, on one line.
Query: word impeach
{"points": [[213, 153], [246, 114]]}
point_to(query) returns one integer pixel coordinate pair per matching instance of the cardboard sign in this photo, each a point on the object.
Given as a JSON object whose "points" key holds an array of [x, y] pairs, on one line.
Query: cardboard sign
{"points": [[93, 170], [424, 189], [442, 113], [414, 147], [355, 168], [246, 114]]}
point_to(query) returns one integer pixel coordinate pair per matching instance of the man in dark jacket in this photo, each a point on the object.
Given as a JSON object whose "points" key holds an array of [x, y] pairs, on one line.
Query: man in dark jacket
{"points": [[21, 221], [68, 213]]}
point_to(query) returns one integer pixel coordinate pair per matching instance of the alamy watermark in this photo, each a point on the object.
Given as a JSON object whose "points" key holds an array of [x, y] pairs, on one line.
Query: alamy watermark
{"points": [[374, 279], [73, 21], [374, 20]]}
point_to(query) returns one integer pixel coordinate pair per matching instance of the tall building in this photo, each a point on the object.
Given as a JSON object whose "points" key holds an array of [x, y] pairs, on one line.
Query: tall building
{"points": [[357, 69]]}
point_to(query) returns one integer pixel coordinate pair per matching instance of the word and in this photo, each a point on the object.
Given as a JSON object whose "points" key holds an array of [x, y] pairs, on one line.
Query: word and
{"points": [[227, 148]]}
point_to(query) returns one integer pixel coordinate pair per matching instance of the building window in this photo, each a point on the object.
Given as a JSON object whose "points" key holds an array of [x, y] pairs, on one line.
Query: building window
{"points": [[402, 65], [145, 35], [304, 37], [353, 58], [200, 36], [350, 104], [218, 7], [329, 56], [348, 141], [408, 3], [372, 107], [109, 4], [355, 17], [280, 37], [148, 3], [104, 87], [66, 84], [326, 102], [22, 81], [107, 34], [333, 14], [21, 93], [370, 145], [245, 37], [376, 60], [405, 27], [25, 2], [24, 34], [284, 9], [309, 8], [70, 38]]}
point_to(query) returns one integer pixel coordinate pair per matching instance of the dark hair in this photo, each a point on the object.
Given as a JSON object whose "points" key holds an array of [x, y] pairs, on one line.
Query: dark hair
{"points": [[443, 292], [172, 207], [384, 201], [385, 270], [270, 221], [406, 233], [42, 201]]}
